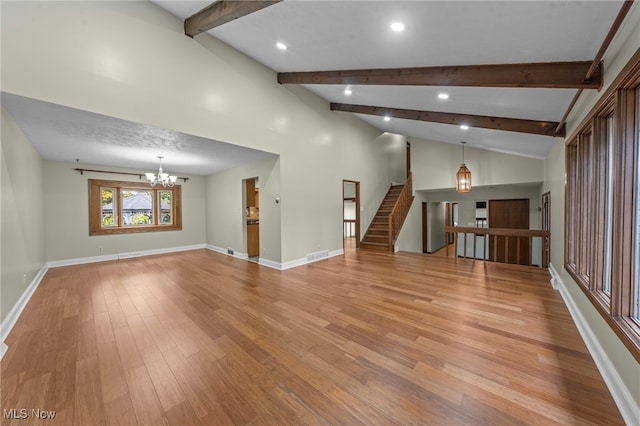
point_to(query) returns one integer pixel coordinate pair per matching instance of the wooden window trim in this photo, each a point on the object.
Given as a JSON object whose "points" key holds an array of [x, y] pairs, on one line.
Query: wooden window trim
{"points": [[95, 208], [621, 98]]}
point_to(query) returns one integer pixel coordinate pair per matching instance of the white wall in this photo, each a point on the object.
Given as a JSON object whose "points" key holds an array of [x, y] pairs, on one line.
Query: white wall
{"points": [[22, 240], [397, 158], [617, 356], [66, 200], [435, 165], [131, 60], [226, 221]]}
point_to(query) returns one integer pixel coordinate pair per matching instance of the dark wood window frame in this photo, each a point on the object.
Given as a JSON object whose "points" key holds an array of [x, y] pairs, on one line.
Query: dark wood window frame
{"points": [[95, 208], [590, 175]]}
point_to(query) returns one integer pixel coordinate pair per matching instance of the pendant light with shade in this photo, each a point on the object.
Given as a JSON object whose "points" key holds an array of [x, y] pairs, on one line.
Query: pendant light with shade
{"points": [[463, 177]]}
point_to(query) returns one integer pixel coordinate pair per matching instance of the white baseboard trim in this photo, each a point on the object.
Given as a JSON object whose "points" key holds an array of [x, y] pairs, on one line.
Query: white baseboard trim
{"points": [[14, 314], [272, 263], [304, 261], [122, 256], [555, 277], [294, 263], [629, 409], [221, 250]]}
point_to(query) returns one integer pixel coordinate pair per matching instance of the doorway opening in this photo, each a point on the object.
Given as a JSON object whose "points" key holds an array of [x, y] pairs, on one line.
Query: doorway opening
{"points": [[252, 218], [350, 215], [435, 216]]}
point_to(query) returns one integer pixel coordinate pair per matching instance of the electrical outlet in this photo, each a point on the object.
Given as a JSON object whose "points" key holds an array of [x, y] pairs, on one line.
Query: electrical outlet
{"points": [[230, 251]]}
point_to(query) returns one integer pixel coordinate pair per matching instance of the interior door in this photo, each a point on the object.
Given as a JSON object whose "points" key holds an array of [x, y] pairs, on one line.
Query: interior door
{"points": [[512, 214]]}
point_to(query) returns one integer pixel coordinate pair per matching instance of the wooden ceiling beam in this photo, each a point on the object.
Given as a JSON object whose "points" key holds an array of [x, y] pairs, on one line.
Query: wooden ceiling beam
{"points": [[558, 75], [221, 12], [544, 128]]}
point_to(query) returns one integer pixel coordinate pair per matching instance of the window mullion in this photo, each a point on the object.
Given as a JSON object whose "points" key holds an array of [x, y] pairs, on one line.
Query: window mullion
{"points": [[598, 203], [624, 203]]}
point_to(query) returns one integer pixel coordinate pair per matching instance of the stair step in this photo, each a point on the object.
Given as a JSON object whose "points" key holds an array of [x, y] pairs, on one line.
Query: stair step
{"points": [[376, 244], [378, 232], [384, 239], [377, 236], [375, 247]]}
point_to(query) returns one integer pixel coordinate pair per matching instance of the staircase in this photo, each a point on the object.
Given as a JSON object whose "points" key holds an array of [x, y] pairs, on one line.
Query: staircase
{"points": [[379, 236]]}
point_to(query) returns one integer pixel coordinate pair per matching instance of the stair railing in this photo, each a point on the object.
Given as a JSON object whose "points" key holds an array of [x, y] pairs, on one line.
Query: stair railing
{"points": [[400, 212], [488, 238]]}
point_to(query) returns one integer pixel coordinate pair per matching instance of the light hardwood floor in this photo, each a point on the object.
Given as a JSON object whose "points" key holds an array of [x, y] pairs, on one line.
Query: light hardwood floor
{"points": [[366, 338]]}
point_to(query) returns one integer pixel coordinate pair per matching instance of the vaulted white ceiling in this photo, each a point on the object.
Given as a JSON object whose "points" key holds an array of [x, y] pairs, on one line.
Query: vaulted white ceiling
{"points": [[339, 35], [334, 35]]}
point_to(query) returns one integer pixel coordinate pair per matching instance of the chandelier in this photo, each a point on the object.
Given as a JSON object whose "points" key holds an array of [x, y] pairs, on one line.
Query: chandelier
{"points": [[162, 177], [463, 177]]}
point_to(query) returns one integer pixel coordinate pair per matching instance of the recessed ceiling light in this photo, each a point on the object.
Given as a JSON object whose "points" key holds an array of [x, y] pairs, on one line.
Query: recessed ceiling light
{"points": [[464, 127], [443, 96], [387, 118], [348, 91], [397, 26], [281, 46]]}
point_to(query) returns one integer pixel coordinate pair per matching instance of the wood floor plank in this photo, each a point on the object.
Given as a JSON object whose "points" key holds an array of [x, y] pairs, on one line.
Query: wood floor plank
{"points": [[144, 399], [202, 338], [88, 406]]}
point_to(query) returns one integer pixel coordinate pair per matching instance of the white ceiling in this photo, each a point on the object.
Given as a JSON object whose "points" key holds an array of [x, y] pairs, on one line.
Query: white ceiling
{"points": [[325, 35], [333, 35], [61, 133]]}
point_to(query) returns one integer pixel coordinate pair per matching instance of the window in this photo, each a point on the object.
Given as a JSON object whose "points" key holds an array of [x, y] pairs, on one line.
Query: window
{"points": [[165, 207], [606, 285], [108, 205], [602, 209], [125, 207]]}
